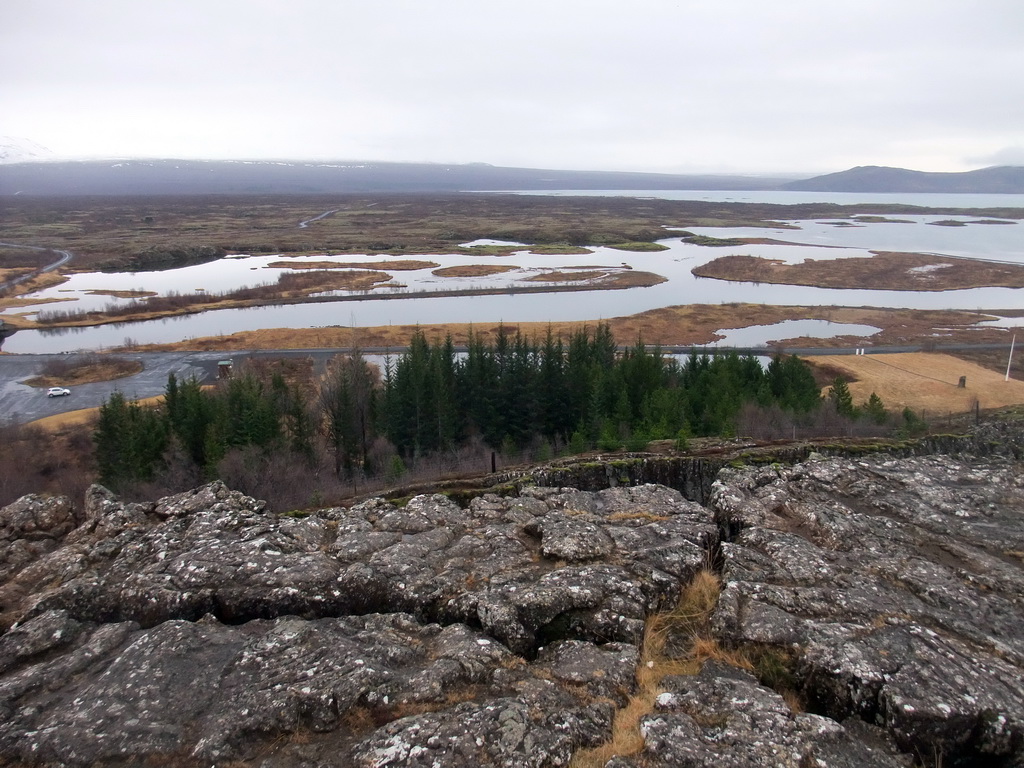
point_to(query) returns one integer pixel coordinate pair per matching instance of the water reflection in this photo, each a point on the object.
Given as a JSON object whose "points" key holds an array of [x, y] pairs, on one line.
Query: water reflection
{"points": [[762, 335], [988, 241]]}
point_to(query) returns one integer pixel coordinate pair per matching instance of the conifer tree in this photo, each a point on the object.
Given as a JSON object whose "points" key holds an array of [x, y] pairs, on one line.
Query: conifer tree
{"points": [[841, 398], [130, 440], [874, 409]]}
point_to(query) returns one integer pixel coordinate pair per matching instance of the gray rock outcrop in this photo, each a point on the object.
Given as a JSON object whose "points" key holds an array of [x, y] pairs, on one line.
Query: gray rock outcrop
{"points": [[896, 587], [206, 629]]}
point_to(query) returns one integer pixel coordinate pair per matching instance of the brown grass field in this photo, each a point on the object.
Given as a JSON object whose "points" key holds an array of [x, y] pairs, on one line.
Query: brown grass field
{"points": [[884, 271], [474, 270], [924, 381], [687, 325]]}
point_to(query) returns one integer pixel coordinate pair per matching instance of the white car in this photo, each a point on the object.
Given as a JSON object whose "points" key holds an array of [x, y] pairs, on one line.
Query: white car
{"points": [[57, 392]]}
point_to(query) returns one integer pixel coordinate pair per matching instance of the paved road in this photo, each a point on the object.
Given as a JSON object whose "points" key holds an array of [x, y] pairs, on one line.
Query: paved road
{"points": [[20, 403], [65, 257]]}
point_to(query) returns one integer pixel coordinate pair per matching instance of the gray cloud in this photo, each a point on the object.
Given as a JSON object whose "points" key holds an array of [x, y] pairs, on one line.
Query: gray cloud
{"points": [[726, 85], [1005, 156]]}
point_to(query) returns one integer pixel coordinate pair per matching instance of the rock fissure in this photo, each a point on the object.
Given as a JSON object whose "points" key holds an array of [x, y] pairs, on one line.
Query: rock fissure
{"points": [[203, 628]]}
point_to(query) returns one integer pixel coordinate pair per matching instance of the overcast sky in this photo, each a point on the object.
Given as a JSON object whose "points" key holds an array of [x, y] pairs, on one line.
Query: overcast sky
{"points": [[648, 85]]}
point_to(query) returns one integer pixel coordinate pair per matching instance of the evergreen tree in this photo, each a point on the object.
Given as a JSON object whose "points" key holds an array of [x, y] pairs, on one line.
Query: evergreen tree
{"points": [[446, 408], [189, 414], [338, 420], [792, 384], [841, 398], [874, 409], [130, 441], [554, 419]]}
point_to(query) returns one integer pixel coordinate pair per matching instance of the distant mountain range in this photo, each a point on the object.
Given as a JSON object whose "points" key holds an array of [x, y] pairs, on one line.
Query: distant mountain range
{"points": [[875, 178], [191, 177], [197, 177]]}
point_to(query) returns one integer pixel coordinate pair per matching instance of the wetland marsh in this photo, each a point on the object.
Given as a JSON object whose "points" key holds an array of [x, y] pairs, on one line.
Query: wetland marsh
{"points": [[572, 250]]}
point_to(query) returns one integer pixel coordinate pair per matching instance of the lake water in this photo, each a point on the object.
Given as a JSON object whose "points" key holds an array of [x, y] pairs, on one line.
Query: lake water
{"points": [[820, 239], [924, 199]]}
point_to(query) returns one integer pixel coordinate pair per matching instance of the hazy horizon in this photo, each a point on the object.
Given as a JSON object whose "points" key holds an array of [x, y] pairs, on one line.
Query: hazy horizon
{"points": [[689, 87]]}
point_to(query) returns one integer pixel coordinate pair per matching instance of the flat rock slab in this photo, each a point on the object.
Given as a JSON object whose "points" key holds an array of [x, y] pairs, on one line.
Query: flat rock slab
{"points": [[202, 629], [897, 587]]}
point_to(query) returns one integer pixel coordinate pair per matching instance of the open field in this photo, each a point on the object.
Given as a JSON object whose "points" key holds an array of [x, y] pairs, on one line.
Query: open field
{"points": [[885, 271], [81, 417], [924, 381]]}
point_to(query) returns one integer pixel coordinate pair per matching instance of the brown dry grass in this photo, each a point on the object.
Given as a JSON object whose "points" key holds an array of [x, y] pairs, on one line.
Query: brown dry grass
{"points": [[305, 283], [15, 300], [884, 271], [924, 381], [16, 297], [474, 270], [39, 282], [11, 273], [682, 326], [61, 421], [121, 294], [689, 619], [98, 369]]}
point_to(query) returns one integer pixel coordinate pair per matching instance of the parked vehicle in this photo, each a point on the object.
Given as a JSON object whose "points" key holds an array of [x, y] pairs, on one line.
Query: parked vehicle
{"points": [[57, 392]]}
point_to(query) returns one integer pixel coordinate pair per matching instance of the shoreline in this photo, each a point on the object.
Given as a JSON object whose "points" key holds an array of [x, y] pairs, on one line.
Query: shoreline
{"points": [[677, 326]]}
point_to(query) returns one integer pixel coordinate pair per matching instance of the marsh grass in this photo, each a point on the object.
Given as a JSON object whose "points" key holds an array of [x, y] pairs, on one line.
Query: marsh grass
{"points": [[638, 247], [101, 229], [884, 270], [474, 270]]}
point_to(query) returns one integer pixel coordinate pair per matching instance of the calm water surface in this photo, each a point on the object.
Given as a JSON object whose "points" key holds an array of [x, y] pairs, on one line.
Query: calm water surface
{"points": [[822, 239]]}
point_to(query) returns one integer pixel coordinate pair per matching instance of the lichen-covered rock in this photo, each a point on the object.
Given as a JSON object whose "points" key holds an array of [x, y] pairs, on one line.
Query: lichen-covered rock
{"points": [[30, 527], [723, 717], [202, 629], [898, 587], [235, 625], [213, 551], [207, 691]]}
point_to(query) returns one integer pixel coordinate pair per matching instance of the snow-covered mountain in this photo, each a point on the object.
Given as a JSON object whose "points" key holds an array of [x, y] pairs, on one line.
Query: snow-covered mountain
{"points": [[14, 149]]}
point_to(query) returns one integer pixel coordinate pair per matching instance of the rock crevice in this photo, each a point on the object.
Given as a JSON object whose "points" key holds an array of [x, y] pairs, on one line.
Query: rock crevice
{"points": [[204, 628]]}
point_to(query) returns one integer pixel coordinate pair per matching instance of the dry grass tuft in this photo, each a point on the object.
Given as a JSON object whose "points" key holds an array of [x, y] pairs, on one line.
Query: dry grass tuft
{"points": [[794, 702], [625, 739], [685, 626]]}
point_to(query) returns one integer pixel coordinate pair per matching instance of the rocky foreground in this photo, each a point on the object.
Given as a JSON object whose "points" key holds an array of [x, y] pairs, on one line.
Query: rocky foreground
{"points": [[880, 600]]}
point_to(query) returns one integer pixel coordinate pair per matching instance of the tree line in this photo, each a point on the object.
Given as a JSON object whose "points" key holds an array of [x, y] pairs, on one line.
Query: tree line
{"points": [[550, 396]]}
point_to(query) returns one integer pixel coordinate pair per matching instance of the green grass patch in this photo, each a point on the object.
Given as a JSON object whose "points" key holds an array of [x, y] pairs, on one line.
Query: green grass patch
{"points": [[638, 247]]}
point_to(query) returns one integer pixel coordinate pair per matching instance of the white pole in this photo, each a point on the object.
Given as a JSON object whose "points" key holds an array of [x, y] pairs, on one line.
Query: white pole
{"points": [[1010, 358]]}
